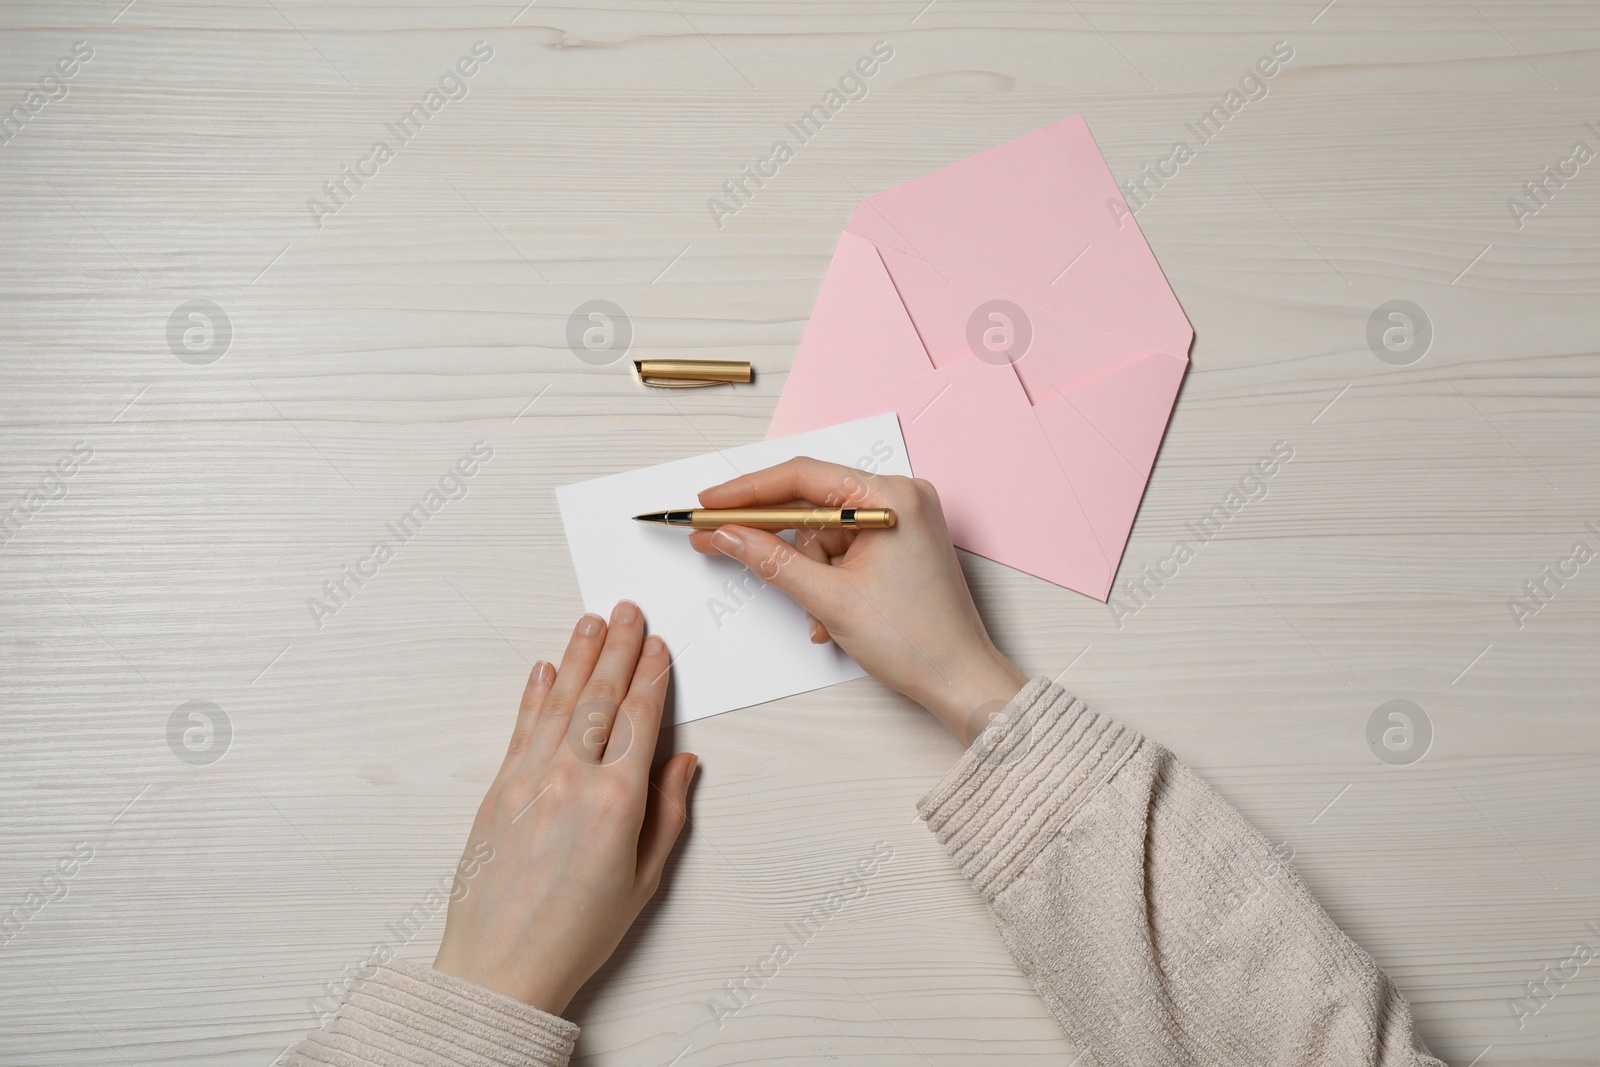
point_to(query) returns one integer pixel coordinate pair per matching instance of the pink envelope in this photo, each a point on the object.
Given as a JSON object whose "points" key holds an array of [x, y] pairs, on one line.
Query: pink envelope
{"points": [[1007, 308]]}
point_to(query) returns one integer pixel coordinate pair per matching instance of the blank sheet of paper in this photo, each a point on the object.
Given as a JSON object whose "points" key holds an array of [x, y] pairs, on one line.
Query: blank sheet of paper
{"points": [[734, 640]]}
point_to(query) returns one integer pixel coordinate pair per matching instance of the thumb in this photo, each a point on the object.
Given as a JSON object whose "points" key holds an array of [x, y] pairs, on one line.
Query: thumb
{"points": [[665, 817], [779, 564]]}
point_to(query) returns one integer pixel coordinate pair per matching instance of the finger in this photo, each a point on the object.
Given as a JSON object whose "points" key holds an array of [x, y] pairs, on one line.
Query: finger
{"points": [[533, 697], [633, 737], [837, 542], [809, 544], [700, 540], [583, 649], [834, 542], [663, 820], [776, 562], [590, 724], [825, 484]]}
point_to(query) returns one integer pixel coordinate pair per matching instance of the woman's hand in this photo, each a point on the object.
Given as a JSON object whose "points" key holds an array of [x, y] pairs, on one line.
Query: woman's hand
{"points": [[571, 838], [896, 600]]}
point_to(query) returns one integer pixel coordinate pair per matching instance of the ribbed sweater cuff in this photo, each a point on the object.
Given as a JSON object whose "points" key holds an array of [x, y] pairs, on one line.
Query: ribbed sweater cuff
{"points": [[410, 1015], [1021, 781]]}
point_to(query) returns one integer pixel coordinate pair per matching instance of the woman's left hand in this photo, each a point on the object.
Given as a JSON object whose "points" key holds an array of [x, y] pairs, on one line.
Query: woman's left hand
{"points": [[571, 838]]}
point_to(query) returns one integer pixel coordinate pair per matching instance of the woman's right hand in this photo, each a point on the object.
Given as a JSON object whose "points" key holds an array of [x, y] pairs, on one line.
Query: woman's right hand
{"points": [[895, 599]]}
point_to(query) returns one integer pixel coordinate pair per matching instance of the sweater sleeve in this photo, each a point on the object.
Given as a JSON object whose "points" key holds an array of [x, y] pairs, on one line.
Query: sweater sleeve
{"points": [[410, 1015], [1158, 926]]}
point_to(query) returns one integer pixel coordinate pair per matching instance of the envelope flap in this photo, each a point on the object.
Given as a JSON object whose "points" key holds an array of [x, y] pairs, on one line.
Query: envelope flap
{"points": [[973, 433], [1039, 217], [1129, 406], [1106, 433], [970, 429], [859, 339], [957, 318]]}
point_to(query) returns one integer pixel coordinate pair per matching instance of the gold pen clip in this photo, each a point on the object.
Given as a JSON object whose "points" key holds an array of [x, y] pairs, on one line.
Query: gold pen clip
{"points": [[691, 373]]}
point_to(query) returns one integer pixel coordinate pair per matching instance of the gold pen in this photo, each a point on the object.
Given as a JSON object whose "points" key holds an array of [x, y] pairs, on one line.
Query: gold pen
{"points": [[776, 518]]}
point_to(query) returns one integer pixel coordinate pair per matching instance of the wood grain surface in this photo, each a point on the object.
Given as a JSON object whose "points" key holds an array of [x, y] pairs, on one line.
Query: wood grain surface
{"points": [[371, 347]]}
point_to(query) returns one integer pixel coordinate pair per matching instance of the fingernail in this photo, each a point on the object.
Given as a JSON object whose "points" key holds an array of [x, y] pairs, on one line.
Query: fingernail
{"points": [[694, 767], [590, 625], [726, 540], [654, 646], [625, 612]]}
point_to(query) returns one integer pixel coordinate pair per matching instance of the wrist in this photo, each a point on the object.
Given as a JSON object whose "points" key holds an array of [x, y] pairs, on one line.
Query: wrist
{"points": [[964, 700], [548, 996]]}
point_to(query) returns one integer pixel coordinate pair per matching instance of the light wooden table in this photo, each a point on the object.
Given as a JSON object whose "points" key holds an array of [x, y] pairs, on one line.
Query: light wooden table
{"points": [[430, 312]]}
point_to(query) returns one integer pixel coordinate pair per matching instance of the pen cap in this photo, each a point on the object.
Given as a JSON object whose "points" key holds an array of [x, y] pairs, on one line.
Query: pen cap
{"points": [[681, 373]]}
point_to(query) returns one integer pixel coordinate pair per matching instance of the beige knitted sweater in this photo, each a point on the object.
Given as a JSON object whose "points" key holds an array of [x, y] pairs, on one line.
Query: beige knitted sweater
{"points": [[1159, 927]]}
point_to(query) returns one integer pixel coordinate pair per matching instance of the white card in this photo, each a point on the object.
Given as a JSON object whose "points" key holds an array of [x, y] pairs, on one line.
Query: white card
{"points": [[734, 640]]}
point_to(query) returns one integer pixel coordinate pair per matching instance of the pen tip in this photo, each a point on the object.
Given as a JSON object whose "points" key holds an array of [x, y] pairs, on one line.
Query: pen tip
{"points": [[654, 516]]}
